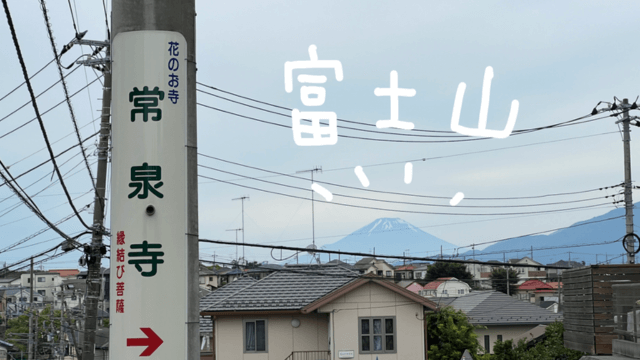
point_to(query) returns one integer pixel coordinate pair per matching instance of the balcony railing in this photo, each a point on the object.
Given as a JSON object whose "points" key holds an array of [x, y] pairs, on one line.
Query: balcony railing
{"points": [[310, 355]]}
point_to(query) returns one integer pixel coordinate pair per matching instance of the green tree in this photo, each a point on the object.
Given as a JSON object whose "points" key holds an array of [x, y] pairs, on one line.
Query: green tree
{"points": [[449, 334], [551, 348], [446, 269], [18, 328], [499, 280]]}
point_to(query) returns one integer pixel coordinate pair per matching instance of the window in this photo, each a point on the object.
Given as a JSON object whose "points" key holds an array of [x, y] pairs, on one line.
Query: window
{"points": [[445, 291], [210, 278], [42, 292], [380, 272], [41, 279], [461, 291], [201, 280], [487, 343], [73, 297], [377, 335], [255, 336], [9, 300], [499, 337], [388, 273]]}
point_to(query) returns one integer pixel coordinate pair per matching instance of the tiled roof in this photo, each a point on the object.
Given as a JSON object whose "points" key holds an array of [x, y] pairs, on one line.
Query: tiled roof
{"points": [[432, 285], [555, 284], [282, 290], [496, 308], [405, 283], [66, 272], [534, 285], [405, 268], [221, 294], [364, 263]]}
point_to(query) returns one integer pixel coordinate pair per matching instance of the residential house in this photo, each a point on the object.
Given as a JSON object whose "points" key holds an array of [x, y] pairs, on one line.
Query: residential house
{"points": [[339, 262], [263, 270], [66, 273], [105, 274], [220, 276], [420, 272], [18, 300], [404, 272], [371, 265], [71, 294], [10, 282], [535, 270], [44, 283], [555, 274], [410, 285], [445, 287], [504, 317], [207, 278], [527, 290], [324, 312], [4, 350], [481, 273]]}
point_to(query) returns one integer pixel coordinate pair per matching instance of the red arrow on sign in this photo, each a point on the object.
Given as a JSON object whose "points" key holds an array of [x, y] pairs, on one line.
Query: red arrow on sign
{"points": [[152, 342]]}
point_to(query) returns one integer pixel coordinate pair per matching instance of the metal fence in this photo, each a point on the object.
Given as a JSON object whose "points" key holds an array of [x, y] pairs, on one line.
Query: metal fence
{"points": [[309, 355]]}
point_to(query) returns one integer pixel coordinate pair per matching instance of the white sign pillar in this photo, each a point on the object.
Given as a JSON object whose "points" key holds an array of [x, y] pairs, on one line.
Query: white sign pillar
{"points": [[149, 277]]}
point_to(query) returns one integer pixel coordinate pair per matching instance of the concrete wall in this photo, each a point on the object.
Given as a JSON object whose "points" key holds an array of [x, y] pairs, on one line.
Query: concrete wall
{"points": [[282, 338], [508, 332], [374, 300]]}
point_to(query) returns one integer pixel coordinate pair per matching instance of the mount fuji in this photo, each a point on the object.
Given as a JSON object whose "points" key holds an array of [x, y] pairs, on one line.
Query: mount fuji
{"points": [[391, 236]]}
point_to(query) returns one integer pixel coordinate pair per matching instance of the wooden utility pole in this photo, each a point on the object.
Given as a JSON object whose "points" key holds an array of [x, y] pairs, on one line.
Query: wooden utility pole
{"points": [[30, 348]]}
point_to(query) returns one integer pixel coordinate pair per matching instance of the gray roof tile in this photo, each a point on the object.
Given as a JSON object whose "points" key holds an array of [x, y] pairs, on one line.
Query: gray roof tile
{"points": [[290, 289], [496, 308]]}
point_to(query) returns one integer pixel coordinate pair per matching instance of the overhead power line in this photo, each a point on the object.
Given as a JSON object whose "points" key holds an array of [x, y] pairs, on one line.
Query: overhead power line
{"points": [[24, 82], [35, 108], [400, 210], [402, 202], [404, 194], [560, 124], [64, 84], [413, 258], [48, 110]]}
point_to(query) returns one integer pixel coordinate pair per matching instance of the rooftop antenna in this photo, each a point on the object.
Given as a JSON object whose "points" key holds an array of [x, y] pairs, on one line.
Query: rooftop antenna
{"points": [[236, 230], [242, 199], [313, 225]]}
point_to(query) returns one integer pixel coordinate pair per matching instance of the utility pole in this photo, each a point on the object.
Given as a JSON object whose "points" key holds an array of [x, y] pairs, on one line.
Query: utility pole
{"points": [[236, 230], [508, 290], [158, 18], [30, 349], [61, 336], [628, 200], [313, 216], [97, 249], [242, 199]]}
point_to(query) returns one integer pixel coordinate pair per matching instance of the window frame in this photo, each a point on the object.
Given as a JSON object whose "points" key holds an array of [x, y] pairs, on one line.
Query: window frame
{"points": [[244, 336], [41, 279], [499, 338], [487, 344], [383, 335]]}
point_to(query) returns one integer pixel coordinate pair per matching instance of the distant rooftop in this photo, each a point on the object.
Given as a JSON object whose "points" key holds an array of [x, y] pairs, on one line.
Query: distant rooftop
{"points": [[496, 308]]}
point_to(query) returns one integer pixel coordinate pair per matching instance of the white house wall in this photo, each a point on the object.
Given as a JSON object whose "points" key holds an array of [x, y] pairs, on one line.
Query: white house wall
{"points": [[374, 300], [508, 332], [282, 338]]}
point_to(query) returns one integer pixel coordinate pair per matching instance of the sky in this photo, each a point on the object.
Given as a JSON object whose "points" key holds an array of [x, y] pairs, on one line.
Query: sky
{"points": [[557, 59]]}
